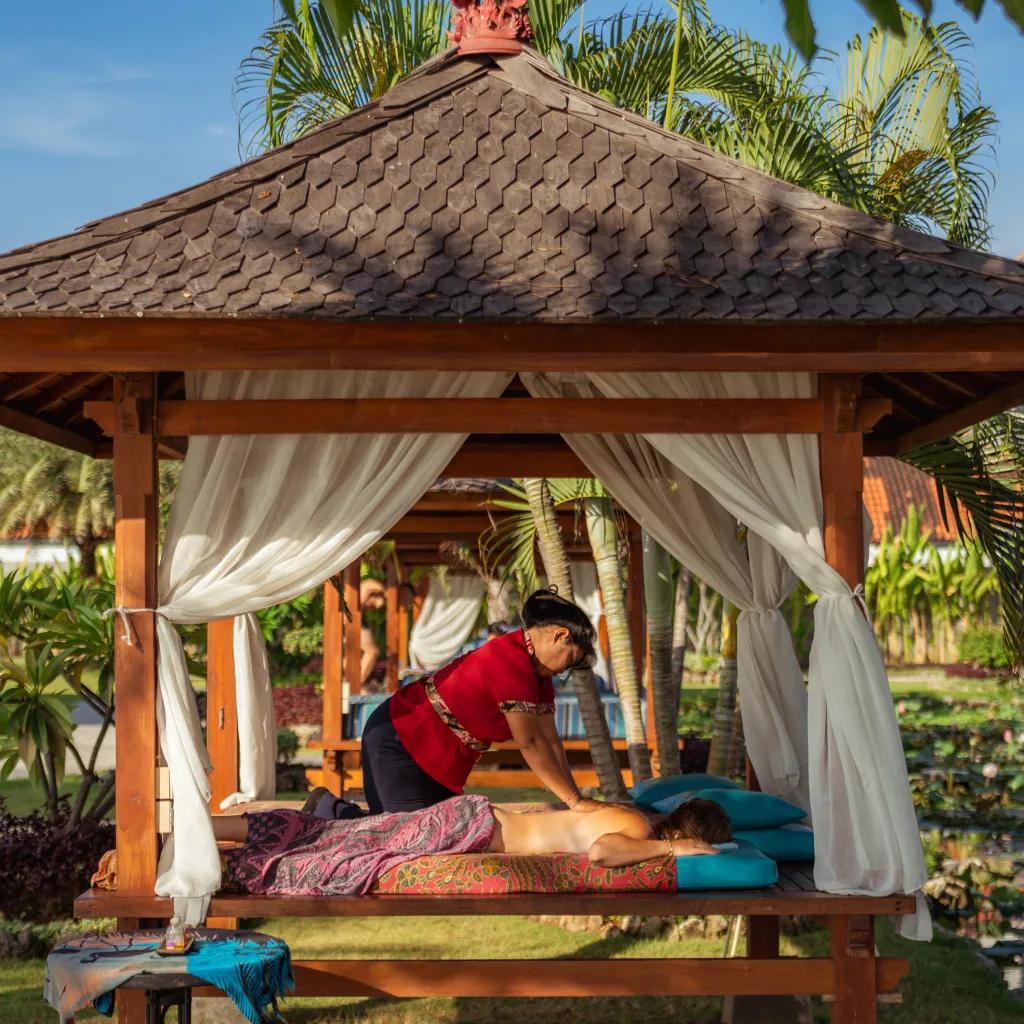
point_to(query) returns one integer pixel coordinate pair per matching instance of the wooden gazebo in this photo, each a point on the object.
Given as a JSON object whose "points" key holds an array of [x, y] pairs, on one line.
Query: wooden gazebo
{"points": [[485, 214]]}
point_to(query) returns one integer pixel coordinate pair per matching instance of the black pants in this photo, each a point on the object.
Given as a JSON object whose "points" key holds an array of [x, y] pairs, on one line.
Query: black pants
{"points": [[392, 780]]}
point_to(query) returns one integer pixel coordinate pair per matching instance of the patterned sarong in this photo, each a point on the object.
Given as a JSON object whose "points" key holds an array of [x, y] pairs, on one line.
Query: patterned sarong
{"points": [[254, 970], [291, 853]]}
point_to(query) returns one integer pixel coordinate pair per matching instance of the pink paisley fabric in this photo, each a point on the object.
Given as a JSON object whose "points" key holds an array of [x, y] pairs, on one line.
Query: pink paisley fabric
{"points": [[290, 853]]}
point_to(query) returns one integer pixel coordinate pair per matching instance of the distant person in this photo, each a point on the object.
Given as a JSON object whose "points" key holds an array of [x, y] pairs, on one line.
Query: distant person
{"points": [[372, 596]]}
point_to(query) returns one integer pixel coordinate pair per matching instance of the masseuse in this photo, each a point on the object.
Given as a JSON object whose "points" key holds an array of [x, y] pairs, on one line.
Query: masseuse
{"points": [[420, 745]]}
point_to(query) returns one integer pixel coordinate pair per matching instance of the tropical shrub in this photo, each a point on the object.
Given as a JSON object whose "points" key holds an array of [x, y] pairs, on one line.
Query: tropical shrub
{"points": [[984, 647], [48, 861], [287, 745]]}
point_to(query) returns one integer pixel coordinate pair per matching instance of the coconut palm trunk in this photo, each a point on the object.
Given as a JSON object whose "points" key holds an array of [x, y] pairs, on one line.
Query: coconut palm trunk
{"points": [[684, 581], [603, 532], [588, 696], [665, 683], [725, 710]]}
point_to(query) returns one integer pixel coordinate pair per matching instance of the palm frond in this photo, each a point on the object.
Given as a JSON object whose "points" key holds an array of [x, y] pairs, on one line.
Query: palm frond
{"points": [[980, 479]]}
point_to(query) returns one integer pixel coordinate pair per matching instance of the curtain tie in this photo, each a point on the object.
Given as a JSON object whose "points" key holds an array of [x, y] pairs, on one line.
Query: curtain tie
{"points": [[859, 596], [126, 622]]}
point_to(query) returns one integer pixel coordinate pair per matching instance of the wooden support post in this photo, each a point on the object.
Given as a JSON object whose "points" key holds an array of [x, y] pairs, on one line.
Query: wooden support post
{"points": [[842, 484], [353, 646], [404, 622], [762, 937], [842, 476], [333, 777], [136, 515], [852, 945], [221, 710], [422, 589], [392, 625], [751, 777]]}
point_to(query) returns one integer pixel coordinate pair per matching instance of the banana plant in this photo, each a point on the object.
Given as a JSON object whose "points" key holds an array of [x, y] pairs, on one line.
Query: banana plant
{"points": [[37, 719]]}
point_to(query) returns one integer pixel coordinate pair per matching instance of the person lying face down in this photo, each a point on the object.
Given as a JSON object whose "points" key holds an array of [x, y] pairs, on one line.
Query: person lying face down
{"points": [[349, 855], [616, 835]]}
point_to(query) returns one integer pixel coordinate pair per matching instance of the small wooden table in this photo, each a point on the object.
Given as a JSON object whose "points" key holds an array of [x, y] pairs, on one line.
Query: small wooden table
{"points": [[164, 991]]}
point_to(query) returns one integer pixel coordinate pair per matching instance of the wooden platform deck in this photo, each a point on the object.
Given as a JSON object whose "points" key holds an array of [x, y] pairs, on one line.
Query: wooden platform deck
{"points": [[794, 893]]}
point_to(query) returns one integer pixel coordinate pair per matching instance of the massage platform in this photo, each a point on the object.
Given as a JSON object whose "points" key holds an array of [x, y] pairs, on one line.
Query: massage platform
{"points": [[852, 977]]}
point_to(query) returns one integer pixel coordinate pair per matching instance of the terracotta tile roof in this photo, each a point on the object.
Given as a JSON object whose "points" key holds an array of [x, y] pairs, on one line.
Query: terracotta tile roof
{"points": [[487, 187], [891, 487]]}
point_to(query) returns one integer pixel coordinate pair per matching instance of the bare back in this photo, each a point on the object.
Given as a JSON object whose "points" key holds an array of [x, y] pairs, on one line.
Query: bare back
{"points": [[564, 831]]}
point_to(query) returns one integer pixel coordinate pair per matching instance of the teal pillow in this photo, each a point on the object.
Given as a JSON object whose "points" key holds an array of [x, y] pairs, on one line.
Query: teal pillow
{"points": [[745, 867], [746, 809], [788, 843], [644, 794]]}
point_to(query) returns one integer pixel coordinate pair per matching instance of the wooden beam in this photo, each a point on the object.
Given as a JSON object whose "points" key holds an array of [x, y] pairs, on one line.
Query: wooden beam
{"points": [[481, 415], [478, 459], [504, 979], [103, 903], [353, 626], [12, 419], [120, 343], [994, 404], [392, 626], [136, 517], [221, 710], [842, 481]]}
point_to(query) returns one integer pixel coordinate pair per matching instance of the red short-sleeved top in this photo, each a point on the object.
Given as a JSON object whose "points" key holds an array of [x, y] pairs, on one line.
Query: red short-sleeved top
{"points": [[447, 720]]}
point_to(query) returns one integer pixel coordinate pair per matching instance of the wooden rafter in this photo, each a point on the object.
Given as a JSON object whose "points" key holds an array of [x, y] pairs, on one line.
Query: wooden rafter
{"points": [[21, 384], [64, 389], [45, 431], [992, 405]]}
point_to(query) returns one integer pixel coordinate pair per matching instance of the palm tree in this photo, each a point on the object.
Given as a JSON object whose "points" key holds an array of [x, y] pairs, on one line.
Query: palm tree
{"points": [[541, 524], [665, 681], [50, 491], [725, 709], [603, 532], [680, 618]]}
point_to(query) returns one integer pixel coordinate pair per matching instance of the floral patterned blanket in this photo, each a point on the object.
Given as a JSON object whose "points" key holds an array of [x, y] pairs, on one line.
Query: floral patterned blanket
{"points": [[485, 874], [287, 852]]}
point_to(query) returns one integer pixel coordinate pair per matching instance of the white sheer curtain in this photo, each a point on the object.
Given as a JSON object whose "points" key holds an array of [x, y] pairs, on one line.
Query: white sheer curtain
{"points": [[257, 521], [446, 620], [866, 835], [688, 522], [587, 592]]}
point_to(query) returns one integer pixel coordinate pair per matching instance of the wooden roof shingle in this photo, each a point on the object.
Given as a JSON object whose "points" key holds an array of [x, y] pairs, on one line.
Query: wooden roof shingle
{"points": [[490, 187]]}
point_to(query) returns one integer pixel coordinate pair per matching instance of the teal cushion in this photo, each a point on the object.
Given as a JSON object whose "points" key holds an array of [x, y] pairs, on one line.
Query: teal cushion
{"points": [[745, 867], [788, 843], [746, 809], [644, 794]]}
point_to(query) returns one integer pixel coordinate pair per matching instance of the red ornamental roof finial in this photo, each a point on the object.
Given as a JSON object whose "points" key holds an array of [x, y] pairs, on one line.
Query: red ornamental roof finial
{"points": [[485, 26]]}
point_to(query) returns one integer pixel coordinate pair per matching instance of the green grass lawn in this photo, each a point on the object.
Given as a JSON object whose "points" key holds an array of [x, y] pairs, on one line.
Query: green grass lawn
{"points": [[23, 797], [947, 984]]}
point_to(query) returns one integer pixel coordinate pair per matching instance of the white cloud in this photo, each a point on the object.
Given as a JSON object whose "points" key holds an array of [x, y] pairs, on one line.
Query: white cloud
{"points": [[68, 123], [214, 130], [64, 110]]}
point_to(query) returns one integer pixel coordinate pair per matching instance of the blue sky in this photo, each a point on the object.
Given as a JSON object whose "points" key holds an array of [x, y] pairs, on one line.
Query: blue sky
{"points": [[109, 104]]}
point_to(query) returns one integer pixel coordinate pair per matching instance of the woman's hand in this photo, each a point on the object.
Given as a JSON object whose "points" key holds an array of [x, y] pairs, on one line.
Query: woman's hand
{"points": [[584, 806], [691, 848]]}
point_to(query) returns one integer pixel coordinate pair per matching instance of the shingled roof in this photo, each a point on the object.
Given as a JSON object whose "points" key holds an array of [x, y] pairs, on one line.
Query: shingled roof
{"points": [[490, 187]]}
